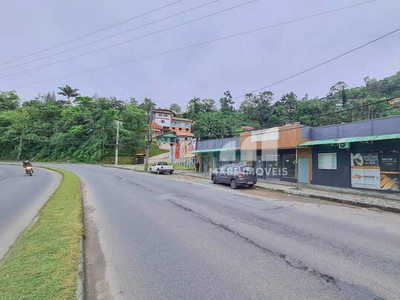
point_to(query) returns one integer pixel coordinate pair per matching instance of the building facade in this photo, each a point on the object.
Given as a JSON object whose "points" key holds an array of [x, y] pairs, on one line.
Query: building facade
{"points": [[169, 130], [362, 155]]}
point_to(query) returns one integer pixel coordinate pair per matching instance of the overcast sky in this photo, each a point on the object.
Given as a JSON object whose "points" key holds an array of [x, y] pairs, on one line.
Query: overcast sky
{"points": [[240, 64]]}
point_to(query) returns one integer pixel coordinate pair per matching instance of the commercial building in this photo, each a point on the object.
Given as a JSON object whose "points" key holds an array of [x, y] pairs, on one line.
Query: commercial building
{"points": [[272, 151], [358, 155], [362, 155], [212, 154]]}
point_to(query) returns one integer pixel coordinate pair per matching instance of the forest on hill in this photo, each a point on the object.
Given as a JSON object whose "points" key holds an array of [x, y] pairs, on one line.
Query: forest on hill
{"points": [[54, 127]]}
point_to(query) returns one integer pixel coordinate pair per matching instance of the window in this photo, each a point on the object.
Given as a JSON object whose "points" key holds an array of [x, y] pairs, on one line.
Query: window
{"points": [[173, 128], [327, 161], [162, 121], [229, 170], [248, 170], [187, 129], [180, 128], [289, 166]]}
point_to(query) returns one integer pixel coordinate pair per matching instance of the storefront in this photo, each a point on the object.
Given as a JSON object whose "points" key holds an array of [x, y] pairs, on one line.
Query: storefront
{"points": [[212, 154], [376, 166], [370, 162], [274, 151]]}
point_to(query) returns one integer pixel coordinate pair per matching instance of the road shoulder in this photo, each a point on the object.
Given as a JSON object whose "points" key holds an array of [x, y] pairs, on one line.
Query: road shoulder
{"points": [[44, 261]]}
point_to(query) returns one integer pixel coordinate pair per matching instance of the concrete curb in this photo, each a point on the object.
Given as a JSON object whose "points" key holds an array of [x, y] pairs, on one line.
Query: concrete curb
{"points": [[80, 291], [333, 199]]}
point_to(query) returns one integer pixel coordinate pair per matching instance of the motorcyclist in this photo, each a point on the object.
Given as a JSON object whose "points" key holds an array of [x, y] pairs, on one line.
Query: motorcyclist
{"points": [[27, 163]]}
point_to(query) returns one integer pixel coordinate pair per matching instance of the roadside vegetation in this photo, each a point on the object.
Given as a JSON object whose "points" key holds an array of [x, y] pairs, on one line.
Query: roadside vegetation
{"points": [[83, 129], [128, 160], [43, 263]]}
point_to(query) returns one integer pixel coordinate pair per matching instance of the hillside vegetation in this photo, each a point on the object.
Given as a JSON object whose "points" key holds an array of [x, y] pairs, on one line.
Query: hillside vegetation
{"points": [[84, 129]]}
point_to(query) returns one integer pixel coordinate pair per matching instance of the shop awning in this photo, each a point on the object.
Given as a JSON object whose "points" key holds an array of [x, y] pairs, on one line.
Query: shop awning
{"points": [[169, 135], [352, 140], [212, 150]]}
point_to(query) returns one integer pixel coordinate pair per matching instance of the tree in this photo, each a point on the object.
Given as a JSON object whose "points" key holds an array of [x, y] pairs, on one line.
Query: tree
{"points": [[133, 101], [193, 108], [196, 106], [338, 92], [208, 105], [68, 92], [147, 106], [8, 100], [175, 108], [50, 97], [368, 81], [257, 108], [227, 102], [215, 125], [290, 103]]}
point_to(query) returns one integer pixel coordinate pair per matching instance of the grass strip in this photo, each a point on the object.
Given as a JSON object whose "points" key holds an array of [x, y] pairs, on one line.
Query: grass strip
{"points": [[43, 263]]}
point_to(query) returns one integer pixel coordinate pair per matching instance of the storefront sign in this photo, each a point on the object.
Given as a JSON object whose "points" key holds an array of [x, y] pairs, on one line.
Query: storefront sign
{"points": [[370, 172], [366, 178], [389, 171], [365, 171]]}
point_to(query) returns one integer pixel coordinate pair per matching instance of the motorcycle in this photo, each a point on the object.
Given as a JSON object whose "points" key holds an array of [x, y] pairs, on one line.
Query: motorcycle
{"points": [[29, 170]]}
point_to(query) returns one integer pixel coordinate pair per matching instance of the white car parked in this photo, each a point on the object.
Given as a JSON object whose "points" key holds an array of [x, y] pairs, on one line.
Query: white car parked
{"points": [[161, 167]]}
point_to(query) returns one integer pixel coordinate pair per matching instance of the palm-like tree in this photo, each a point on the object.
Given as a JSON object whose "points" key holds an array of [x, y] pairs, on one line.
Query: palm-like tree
{"points": [[68, 92]]}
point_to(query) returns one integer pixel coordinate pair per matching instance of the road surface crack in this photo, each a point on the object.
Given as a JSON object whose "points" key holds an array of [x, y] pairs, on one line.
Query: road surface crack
{"points": [[291, 262]]}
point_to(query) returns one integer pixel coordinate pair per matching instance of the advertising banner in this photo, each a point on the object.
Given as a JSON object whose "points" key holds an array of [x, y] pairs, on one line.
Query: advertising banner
{"points": [[375, 171], [177, 151], [192, 145], [365, 171], [389, 171]]}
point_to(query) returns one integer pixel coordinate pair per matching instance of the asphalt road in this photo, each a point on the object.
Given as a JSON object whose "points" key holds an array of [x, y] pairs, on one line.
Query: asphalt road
{"points": [[21, 198], [154, 237]]}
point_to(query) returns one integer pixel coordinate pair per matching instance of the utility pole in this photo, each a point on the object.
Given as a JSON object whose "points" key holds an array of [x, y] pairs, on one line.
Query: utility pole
{"points": [[116, 144], [148, 142]]}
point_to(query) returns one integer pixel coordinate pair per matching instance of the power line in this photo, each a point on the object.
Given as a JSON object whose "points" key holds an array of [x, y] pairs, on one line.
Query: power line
{"points": [[319, 116], [321, 64], [135, 39], [107, 37], [93, 32], [195, 45], [356, 107]]}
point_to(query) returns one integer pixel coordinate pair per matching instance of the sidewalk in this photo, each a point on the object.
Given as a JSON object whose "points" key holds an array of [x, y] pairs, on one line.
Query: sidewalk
{"points": [[362, 198]]}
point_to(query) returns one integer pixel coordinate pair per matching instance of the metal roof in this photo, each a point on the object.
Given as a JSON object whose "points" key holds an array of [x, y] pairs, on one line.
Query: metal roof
{"points": [[352, 140]]}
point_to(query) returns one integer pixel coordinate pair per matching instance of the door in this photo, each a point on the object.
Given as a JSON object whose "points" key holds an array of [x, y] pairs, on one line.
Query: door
{"points": [[206, 164], [222, 176], [304, 170]]}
